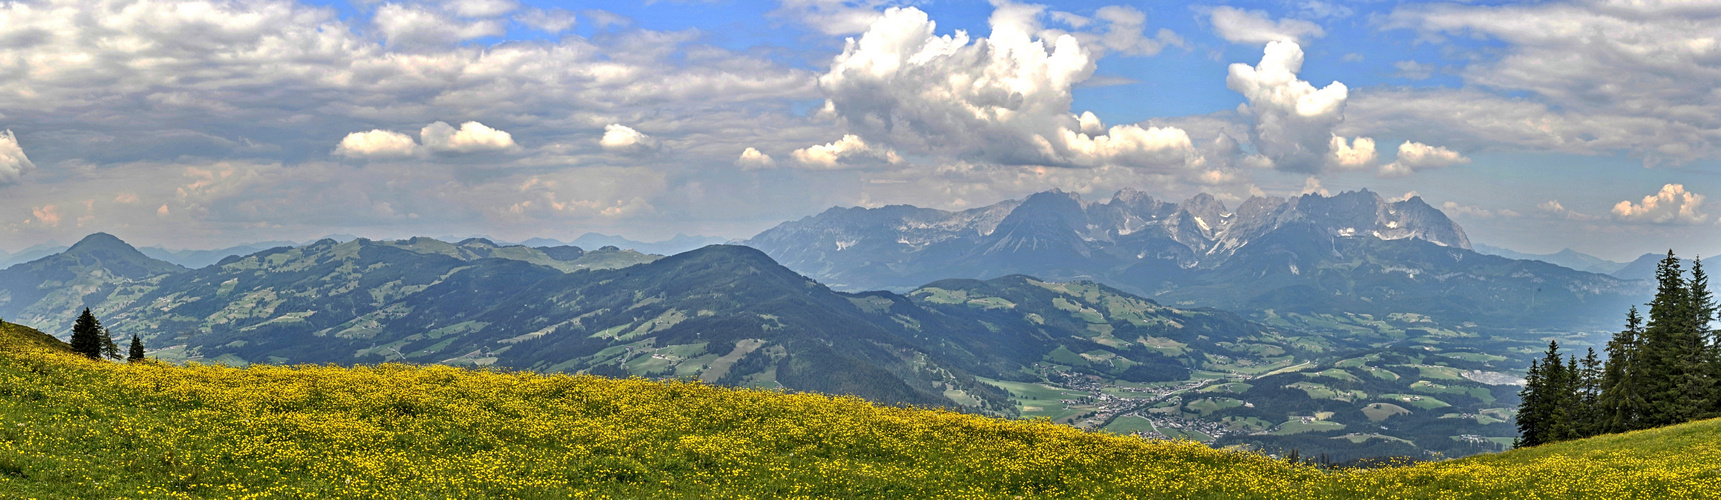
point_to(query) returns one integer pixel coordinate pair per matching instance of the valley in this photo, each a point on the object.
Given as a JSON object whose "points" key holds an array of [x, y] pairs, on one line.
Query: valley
{"points": [[1348, 384]]}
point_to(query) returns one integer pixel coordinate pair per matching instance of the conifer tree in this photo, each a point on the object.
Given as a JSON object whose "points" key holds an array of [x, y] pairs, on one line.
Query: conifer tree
{"points": [[110, 350], [1589, 392], [1532, 411], [1547, 412], [1699, 385], [1663, 376], [86, 335], [135, 354], [1621, 401]]}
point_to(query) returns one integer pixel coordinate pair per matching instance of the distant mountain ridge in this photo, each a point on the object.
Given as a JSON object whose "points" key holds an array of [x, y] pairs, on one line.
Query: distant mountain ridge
{"points": [[1354, 251], [1565, 258]]}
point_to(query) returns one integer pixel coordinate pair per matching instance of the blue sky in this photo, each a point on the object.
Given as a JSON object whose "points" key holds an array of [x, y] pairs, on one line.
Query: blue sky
{"points": [[1537, 126]]}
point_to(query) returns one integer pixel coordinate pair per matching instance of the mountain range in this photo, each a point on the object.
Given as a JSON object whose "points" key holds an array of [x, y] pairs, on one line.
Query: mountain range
{"points": [[1350, 252]]}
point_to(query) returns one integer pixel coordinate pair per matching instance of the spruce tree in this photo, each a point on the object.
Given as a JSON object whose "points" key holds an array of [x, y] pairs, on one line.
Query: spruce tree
{"points": [[1621, 401], [1532, 411], [1664, 374], [1699, 385], [135, 354], [1589, 392], [1546, 414], [86, 335]]}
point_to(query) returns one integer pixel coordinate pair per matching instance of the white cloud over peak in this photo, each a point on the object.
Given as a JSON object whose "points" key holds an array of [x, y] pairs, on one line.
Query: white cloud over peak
{"points": [[1293, 121], [1358, 154], [753, 159], [1256, 27], [1415, 156], [470, 137], [1672, 205], [13, 162], [849, 152], [1003, 99], [624, 139], [376, 143]]}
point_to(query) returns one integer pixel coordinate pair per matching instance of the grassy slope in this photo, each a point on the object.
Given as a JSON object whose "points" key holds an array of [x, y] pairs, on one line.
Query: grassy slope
{"points": [[71, 428]]}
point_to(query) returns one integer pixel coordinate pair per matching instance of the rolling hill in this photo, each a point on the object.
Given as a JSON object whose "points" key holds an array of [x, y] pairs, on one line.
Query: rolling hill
{"points": [[74, 428]]}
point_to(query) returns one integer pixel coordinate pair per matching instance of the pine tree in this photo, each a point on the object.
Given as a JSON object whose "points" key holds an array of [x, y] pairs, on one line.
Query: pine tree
{"points": [[135, 354], [86, 335]]}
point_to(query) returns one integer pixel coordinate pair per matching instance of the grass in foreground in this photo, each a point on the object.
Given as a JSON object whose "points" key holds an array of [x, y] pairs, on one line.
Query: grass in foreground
{"points": [[71, 428]]}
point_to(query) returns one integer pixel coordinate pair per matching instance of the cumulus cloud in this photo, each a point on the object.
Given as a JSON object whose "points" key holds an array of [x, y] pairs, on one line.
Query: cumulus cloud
{"points": [[13, 162], [1672, 205], [1415, 156], [409, 26], [1358, 154], [470, 137], [1003, 99], [753, 159], [849, 152], [376, 143], [622, 138], [1293, 121], [1255, 27]]}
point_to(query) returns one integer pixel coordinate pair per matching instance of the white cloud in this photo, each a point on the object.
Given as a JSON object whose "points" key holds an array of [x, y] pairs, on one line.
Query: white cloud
{"points": [[621, 138], [1483, 213], [1554, 208], [1002, 99], [1126, 32], [1359, 154], [1592, 77], [1412, 70], [406, 26], [1415, 156], [480, 8], [376, 144], [1255, 27], [470, 137], [753, 159], [13, 162], [552, 20], [1672, 205], [831, 17], [1293, 121], [849, 152]]}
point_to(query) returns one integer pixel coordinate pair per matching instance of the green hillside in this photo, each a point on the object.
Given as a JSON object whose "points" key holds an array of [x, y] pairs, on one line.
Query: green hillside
{"points": [[73, 428]]}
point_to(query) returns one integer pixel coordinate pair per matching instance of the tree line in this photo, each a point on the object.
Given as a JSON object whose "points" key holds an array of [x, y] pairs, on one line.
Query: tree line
{"points": [[1660, 370], [91, 339]]}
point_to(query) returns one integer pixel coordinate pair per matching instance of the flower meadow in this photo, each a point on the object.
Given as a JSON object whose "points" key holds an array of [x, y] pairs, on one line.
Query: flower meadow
{"points": [[74, 428]]}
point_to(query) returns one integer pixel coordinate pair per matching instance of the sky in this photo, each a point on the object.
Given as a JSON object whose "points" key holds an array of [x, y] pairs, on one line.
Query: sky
{"points": [[1537, 126]]}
